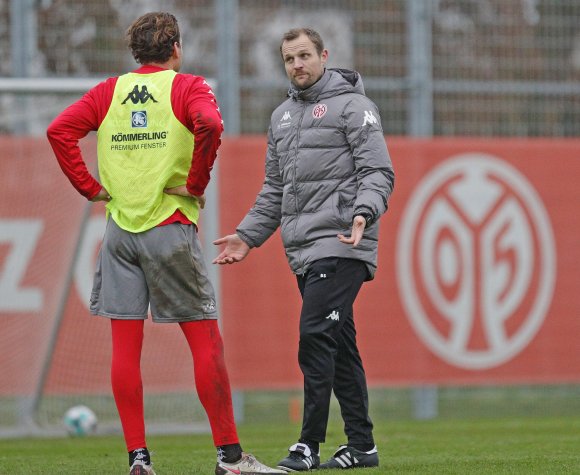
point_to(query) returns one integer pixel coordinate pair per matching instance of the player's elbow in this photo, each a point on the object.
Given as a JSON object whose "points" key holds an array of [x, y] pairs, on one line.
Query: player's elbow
{"points": [[53, 131], [209, 125], [50, 131]]}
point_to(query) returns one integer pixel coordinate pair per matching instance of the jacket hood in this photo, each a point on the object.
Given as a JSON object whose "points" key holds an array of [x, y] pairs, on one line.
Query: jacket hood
{"points": [[333, 82]]}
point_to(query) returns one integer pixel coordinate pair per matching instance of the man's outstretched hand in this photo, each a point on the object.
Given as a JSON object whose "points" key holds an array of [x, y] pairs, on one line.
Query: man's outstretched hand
{"points": [[235, 249]]}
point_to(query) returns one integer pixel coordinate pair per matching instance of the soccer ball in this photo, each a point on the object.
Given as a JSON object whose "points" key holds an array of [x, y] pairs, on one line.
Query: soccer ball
{"points": [[80, 420]]}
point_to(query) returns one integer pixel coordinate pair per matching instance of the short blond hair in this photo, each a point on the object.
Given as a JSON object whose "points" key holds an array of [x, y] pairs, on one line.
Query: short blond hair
{"points": [[313, 35]]}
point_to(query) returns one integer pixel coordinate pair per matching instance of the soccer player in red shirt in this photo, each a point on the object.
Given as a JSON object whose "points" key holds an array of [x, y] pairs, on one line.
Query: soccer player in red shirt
{"points": [[158, 134]]}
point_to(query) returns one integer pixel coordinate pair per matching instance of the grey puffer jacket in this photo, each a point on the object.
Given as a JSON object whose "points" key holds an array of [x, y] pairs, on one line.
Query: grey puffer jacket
{"points": [[326, 162]]}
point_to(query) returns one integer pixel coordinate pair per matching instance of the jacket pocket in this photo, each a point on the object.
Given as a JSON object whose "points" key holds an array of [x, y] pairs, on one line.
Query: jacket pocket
{"points": [[345, 206]]}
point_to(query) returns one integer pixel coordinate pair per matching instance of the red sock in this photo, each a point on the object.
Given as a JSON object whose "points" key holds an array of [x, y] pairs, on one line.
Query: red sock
{"points": [[126, 380], [211, 378]]}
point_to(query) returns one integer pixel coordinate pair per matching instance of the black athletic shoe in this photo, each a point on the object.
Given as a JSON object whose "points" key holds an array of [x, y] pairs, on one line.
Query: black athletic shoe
{"points": [[349, 457], [300, 459]]}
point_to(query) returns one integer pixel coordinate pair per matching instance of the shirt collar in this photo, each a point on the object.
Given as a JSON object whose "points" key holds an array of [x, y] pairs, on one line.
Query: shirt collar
{"points": [[148, 68]]}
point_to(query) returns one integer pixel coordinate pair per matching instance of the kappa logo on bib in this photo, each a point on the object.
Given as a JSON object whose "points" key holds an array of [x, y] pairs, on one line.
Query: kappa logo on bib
{"points": [[137, 95]]}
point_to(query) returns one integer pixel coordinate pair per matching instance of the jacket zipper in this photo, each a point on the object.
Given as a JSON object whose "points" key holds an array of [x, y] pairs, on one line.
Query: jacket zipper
{"points": [[296, 148]]}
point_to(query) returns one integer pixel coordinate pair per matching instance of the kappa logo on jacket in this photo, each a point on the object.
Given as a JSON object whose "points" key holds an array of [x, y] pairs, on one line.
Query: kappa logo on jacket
{"points": [[369, 118], [137, 96], [286, 120]]}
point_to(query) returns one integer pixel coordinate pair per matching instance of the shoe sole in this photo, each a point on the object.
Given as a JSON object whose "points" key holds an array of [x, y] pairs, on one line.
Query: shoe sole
{"points": [[229, 472], [286, 469], [340, 467], [225, 471], [141, 471]]}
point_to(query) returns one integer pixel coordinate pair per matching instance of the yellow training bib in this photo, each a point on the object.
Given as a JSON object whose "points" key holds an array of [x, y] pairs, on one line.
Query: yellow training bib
{"points": [[143, 149]]}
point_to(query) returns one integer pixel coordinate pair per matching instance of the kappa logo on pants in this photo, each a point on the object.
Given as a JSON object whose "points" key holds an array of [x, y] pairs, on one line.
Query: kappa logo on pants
{"points": [[333, 316]]}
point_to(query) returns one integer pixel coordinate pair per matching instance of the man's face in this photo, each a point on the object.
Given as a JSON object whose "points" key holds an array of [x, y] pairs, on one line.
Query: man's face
{"points": [[304, 66]]}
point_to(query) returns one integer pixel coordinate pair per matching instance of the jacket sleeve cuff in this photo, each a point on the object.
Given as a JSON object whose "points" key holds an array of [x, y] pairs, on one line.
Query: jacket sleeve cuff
{"points": [[244, 237], [366, 214]]}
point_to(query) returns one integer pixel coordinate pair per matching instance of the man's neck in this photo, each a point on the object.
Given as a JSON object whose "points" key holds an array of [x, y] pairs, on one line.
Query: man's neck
{"points": [[167, 65]]}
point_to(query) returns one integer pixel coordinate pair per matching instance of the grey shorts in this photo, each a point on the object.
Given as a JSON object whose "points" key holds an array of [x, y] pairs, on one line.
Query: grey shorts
{"points": [[162, 268]]}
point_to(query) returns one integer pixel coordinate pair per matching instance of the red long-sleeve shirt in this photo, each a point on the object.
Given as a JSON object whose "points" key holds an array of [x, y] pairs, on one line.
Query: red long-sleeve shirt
{"points": [[193, 104]]}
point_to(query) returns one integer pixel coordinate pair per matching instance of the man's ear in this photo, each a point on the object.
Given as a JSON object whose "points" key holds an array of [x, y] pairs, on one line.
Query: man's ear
{"points": [[324, 56]]}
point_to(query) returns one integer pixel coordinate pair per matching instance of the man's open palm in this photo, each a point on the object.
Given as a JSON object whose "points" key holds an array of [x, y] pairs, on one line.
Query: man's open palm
{"points": [[235, 249]]}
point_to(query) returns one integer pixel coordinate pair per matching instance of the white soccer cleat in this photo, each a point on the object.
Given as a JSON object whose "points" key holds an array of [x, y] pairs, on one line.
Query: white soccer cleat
{"points": [[247, 465]]}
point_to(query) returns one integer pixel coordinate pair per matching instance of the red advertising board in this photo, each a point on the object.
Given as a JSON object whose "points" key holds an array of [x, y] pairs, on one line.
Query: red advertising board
{"points": [[478, 278]]}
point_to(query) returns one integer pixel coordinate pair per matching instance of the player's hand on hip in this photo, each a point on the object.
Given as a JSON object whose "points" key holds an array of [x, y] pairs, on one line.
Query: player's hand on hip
{"points": [[235, 249], [358, 228], [182, 191], [102, 195]]}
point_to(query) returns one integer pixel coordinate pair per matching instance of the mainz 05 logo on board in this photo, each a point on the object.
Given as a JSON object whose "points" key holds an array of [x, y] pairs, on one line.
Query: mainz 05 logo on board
{"points": [[476, 261], [137, 96]]}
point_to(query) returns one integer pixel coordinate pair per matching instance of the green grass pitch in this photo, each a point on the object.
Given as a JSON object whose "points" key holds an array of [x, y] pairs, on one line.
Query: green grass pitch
{"points": [[530, 445]]}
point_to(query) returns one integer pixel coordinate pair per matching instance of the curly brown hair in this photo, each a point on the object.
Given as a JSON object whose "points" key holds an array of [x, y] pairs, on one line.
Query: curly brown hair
{"points": [[151, 37]]}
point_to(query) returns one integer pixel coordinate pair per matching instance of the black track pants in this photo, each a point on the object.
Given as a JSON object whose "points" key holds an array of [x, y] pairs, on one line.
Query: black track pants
{"points": [[327, 354]]}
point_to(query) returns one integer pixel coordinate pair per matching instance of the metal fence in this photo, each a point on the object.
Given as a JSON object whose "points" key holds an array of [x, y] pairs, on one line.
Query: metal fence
{"points": [[434, 67]]}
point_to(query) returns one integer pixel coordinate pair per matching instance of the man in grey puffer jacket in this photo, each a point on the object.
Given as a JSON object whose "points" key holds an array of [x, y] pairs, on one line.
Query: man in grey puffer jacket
{"points": [[328, 180]]}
